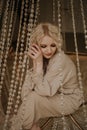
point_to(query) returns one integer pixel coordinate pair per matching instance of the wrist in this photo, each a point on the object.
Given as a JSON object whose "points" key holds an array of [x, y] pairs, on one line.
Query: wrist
{"points": [[38, 66]]}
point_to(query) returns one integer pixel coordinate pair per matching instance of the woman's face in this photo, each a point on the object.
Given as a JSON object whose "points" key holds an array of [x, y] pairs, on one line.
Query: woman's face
{"points": [[48, 47]]}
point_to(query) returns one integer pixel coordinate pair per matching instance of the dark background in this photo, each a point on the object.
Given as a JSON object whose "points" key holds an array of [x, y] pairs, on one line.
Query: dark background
{"points": [[46, 15]]}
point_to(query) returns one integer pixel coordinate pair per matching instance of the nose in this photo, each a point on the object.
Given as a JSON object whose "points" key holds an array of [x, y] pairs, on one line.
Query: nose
{"points": [[49, 50]]}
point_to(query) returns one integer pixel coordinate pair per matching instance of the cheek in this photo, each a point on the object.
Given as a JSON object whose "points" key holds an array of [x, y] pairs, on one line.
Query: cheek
{"points": [[43, 51], [54, 50]]}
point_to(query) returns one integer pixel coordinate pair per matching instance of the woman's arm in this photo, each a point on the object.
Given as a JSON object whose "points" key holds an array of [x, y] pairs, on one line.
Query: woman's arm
{"points": [[49, 84], [45, 85], [61, 72], [35, 55]]}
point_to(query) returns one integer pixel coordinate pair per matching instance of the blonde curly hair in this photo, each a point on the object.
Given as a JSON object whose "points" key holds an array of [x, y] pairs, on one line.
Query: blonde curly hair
{"points": [[44, 29]]}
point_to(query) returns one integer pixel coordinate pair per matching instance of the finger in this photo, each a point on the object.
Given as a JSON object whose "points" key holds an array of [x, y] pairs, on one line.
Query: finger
{"points": [[31, 55], [34, 49], [36, 46], [32, 52]]}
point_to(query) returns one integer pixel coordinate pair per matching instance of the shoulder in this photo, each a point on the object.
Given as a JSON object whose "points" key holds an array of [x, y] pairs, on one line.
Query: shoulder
{"points": [[56, 61], [61, 59]]}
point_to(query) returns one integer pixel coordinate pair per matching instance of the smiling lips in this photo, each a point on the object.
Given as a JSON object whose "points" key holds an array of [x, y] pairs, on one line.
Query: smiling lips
{"points": [[49, 54]]}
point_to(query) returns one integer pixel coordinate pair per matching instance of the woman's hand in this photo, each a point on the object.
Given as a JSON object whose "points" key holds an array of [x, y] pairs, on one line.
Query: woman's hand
{"points": [[35, 52], [36, 55]]}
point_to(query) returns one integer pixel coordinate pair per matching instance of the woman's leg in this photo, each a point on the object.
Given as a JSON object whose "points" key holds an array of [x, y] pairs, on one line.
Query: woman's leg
{"points": [[25, 114], [42, 107], [32, 109]]}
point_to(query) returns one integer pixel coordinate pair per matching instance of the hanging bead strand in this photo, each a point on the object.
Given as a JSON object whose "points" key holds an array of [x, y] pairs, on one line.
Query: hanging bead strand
{"points": [[36, 12], [78, 63], [1, 5], [59, 27], [55, 123], [30, 25], [3, 39], [23, 67], [59, 20], [8, 42], [11, 94], [7, 50], [21, 53], [21, 36], [10, 99], [12, 87], [54, 12], [24, 62], [76, 47], [65, 125], [84, 23]]}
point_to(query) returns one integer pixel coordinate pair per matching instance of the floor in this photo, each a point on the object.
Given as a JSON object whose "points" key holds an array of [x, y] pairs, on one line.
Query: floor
{"points": [[76, 121]]}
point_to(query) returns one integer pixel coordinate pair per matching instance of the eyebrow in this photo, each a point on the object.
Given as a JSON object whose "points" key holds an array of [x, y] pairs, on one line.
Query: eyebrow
{"points": [[46, 44], [43, 44]]}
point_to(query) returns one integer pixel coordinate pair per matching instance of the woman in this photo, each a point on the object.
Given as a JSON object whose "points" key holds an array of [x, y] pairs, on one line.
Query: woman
{"points": [[51, 86]]}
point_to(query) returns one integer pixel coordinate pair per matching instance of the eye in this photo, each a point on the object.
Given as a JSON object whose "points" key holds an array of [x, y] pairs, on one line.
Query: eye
{"points": [[43, 46], [53, 45]]}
